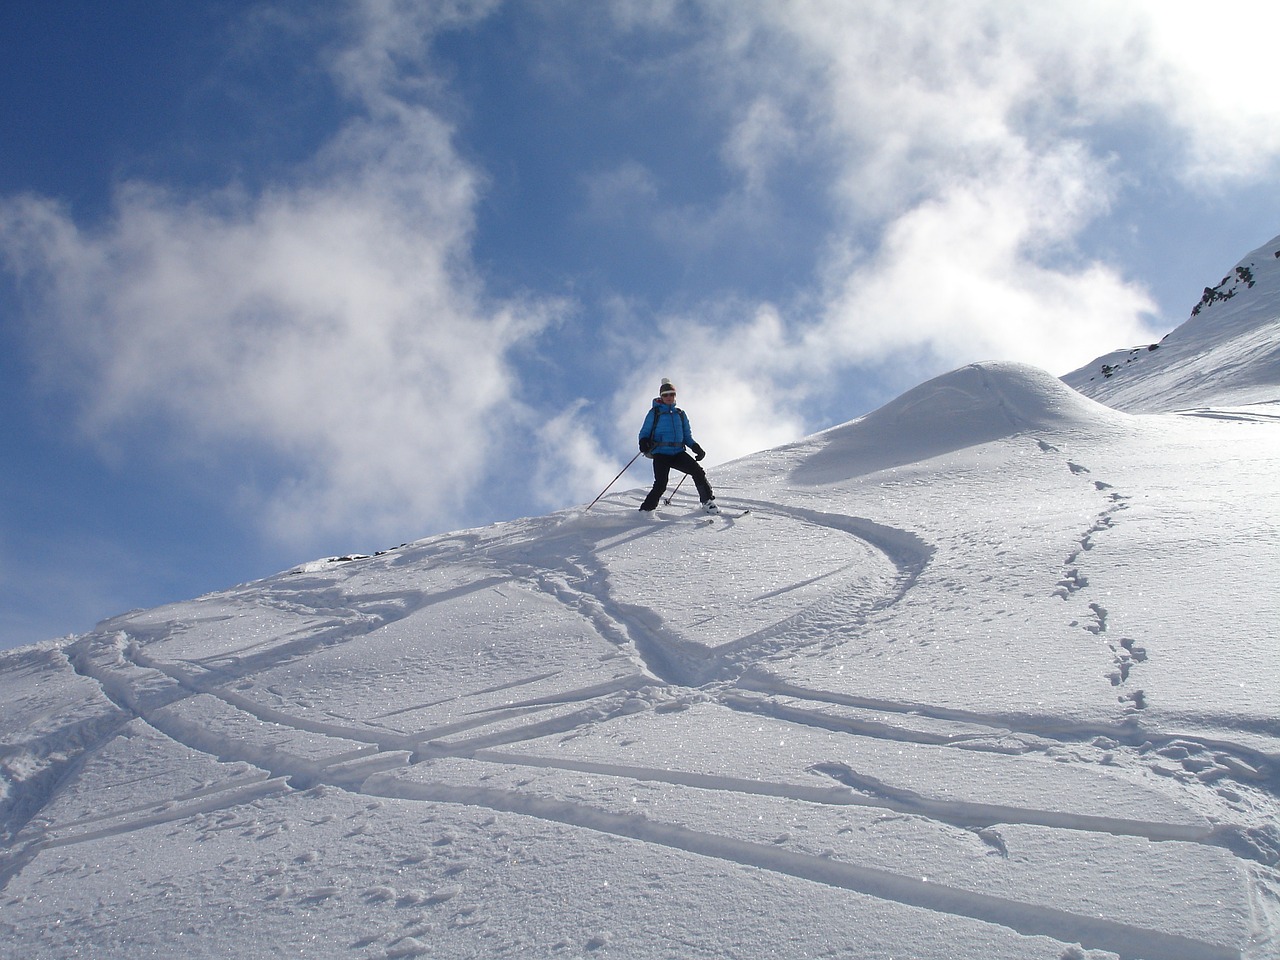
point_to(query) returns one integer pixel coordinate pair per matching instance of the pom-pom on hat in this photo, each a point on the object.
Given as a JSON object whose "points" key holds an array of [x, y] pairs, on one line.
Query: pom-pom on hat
{"points": [[667, 387]]}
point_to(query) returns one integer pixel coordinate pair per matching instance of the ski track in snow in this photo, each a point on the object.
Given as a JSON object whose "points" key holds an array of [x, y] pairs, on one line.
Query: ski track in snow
{"points": [[668, 675]]}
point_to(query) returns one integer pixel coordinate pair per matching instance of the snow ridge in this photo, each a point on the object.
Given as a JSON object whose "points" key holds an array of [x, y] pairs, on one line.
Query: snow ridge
{"points": [[1227, 353]]}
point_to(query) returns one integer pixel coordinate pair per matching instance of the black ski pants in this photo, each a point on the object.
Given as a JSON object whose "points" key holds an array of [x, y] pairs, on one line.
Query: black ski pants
{"points": [[662, 464]]}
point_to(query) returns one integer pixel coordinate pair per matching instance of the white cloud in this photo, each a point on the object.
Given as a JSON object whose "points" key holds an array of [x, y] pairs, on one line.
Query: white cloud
{"points": [[1211, 71], [761, 140], [976, 273], [331, 324], [927, 87], [620, 194], [951, 278], [569, 460]]}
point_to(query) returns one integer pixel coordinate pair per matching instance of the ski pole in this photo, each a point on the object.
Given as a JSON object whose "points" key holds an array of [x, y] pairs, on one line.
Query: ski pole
{"points": [[676, 490], [613, 481]]}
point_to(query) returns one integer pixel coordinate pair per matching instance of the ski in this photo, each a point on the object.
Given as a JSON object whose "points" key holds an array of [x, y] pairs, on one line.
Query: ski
{"points": [[703, 518], [725, 514]]}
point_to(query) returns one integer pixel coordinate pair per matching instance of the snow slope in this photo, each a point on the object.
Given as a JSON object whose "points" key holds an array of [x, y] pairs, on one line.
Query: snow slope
{"points": [[1226, 354], [989, 673]]}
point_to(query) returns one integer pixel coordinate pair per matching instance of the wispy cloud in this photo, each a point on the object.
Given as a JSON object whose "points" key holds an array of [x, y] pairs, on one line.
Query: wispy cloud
{"points": [[331, 325]]}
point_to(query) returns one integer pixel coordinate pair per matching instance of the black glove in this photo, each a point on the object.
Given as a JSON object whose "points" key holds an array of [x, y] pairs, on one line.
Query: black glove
{"points": [[646, 444], [698, 452]]}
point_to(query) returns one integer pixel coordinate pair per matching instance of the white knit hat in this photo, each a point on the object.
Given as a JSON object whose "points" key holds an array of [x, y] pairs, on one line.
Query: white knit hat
{"points": [[667, 387]]}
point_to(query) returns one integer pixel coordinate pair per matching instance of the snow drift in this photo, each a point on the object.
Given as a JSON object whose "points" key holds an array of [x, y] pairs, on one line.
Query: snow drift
{"points": [[976, 404], [989, 673]]}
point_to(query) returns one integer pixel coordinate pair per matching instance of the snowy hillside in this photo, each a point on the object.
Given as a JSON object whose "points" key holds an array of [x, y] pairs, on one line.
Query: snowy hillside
{"points": [[1227, 353], [989, 674]]}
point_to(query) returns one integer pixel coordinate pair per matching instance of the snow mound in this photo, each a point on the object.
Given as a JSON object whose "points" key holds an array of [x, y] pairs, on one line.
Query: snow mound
{"points": [[972, 405], [1227, 353]]}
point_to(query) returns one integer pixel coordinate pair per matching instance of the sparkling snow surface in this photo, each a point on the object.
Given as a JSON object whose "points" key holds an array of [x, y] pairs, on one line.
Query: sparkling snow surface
{"points": [[989, 673]]}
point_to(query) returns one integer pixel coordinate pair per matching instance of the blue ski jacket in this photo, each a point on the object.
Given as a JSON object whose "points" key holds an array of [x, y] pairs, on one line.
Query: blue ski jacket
{"points": [[671, 434]]}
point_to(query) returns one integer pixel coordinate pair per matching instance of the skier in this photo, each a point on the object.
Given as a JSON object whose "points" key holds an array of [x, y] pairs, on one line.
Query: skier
{"points": [[663, 438]]}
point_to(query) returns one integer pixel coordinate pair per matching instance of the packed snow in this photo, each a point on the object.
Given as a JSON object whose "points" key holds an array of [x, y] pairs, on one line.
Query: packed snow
{"points": [[989, 673]]}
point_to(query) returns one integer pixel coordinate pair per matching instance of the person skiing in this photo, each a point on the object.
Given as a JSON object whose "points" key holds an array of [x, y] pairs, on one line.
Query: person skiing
{"points": [[663, 438]]}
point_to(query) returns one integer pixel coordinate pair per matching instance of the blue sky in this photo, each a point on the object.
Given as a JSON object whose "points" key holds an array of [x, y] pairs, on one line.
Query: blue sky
{"points": [[286, 280]]}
